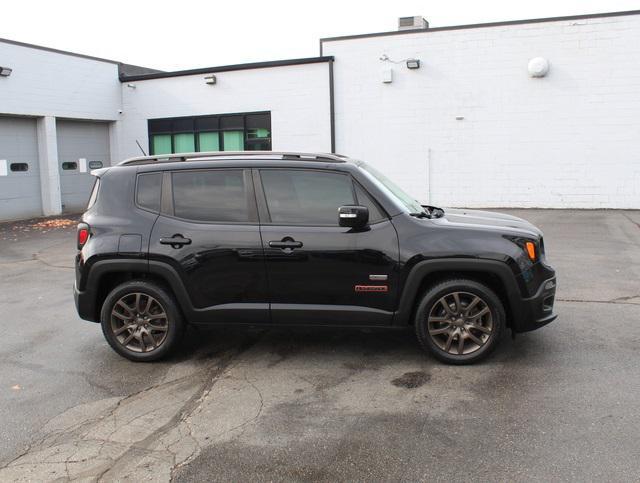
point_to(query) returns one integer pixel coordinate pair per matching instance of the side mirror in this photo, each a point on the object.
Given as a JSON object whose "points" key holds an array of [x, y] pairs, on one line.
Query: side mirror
{"points": [[353, 216]]}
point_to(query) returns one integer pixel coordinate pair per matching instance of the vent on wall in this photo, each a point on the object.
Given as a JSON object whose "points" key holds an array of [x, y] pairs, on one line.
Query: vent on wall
{"points": [[412, 23]]}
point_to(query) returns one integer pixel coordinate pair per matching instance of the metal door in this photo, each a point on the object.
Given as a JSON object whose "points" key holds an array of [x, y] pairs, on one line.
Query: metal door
{"points": [[82, 146], [20, 195]]}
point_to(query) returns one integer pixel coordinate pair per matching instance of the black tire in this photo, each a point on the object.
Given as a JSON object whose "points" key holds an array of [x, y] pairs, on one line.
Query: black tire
{"points": [[165, 331], [455, 339]]}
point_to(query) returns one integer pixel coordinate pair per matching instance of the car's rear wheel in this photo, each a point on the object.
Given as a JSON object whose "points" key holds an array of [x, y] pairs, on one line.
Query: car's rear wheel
{"points": [[460, 321], [141, 321]]}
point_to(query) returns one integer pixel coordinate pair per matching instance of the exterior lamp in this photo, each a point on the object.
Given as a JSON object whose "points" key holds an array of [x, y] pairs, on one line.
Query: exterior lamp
{"points": [[538, 67], [413, 64], [5, 71], [211, 79]]}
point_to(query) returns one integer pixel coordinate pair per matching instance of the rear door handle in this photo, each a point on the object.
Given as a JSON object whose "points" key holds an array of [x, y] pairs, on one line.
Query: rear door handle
{"points": [[176, 241]]}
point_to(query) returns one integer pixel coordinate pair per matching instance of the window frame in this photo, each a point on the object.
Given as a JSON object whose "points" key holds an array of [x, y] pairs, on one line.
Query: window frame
{"points": [[263, 205], [167, 208]]}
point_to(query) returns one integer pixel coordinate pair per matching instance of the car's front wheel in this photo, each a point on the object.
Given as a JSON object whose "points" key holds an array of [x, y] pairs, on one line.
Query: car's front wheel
{"points": [[141, 321], [459, 321]]}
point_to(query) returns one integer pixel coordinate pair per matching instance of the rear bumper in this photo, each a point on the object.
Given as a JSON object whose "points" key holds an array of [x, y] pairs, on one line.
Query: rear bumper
{"points": [[537, 311], [85, 304]]}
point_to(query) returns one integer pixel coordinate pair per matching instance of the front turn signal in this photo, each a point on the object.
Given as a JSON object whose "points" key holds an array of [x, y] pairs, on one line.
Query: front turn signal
{"points": [[530, 248]]}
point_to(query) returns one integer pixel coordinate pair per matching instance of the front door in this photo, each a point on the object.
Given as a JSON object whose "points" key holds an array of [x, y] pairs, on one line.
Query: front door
{"points": [[319, 272], [208, 231]]}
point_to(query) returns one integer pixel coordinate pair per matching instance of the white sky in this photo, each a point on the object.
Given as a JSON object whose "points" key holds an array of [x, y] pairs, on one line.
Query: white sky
{"points": [[184, 34]]}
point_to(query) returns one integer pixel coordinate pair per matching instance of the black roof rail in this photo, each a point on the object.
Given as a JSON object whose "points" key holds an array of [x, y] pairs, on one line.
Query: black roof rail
{"points": [[207, 156]]}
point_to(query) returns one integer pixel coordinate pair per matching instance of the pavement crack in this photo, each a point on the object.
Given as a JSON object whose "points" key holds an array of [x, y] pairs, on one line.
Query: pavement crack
{"points": [[631, 219], [183, 413]]}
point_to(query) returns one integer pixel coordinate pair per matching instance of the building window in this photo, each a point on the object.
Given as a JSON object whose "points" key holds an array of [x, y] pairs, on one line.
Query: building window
{"points": [[225, 132]]}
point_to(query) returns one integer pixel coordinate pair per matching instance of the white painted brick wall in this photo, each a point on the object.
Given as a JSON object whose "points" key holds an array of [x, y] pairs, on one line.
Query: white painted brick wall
{"points": [[297, 96], [569, 140], [46, 83]]}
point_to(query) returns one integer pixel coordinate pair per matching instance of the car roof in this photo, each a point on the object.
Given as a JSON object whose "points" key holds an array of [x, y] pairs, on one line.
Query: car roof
{"points": [[239, 156]]}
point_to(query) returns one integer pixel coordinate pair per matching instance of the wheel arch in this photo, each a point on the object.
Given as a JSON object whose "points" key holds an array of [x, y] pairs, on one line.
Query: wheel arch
{"points": [[496, 275], [105, 275]]}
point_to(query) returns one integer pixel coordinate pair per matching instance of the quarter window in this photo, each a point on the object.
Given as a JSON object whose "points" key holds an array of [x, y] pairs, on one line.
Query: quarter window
{"points": [[149, 191], [306, 196], [210, 195]]}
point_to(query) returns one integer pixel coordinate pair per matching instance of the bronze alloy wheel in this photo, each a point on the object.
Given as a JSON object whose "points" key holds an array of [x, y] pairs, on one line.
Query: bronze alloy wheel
{"points": [[460, 323], [139, 322]]}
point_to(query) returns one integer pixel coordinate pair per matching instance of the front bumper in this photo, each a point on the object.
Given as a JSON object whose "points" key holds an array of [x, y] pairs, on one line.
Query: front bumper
{"points": [[536, 311]]}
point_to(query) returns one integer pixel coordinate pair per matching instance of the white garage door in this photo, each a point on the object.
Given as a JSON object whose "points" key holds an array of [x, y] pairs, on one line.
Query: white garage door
{"points": [[19, 170], [82, 146]]}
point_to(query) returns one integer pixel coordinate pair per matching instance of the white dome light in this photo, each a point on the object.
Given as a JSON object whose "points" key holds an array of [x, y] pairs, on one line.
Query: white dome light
{"points": [[538, 67]]}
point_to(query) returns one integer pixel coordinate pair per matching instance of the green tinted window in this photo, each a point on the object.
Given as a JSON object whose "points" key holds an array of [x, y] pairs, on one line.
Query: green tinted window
{"points": [[257, 133], [161, 144], [233, 141], [184, 143], [209, 141]]}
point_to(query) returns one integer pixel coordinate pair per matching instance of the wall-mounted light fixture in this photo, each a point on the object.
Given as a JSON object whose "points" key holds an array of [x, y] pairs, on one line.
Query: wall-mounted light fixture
{"points": [[5, 71], [131, 86], [387, 76], [413, 64], [211, 80], [538, 67]]}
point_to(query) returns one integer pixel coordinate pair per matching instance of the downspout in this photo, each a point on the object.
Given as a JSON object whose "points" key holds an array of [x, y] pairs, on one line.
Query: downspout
{"points": [[332, 111]]}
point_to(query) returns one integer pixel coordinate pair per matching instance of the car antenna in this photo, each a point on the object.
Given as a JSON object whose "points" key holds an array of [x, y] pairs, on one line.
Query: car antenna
{"points": [[140, 147]]}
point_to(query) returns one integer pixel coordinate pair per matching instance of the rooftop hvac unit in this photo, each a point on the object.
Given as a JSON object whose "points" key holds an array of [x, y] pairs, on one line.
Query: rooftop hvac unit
{"points": [[412, 23]]}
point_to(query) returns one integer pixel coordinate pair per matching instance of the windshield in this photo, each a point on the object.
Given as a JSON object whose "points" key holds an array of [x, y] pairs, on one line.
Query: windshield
{"points": [[411, 204]]}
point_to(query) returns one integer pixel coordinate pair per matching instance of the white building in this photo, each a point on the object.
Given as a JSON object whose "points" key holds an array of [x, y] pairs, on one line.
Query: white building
{"points": [[474, 125]]}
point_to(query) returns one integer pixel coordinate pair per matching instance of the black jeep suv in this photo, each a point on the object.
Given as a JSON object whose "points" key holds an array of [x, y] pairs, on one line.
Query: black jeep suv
{"points": [[265, 238]]}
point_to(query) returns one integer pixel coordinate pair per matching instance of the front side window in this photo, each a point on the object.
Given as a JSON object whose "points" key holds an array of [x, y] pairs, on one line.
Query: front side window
{"points": [[306, 197], [210, 195]]}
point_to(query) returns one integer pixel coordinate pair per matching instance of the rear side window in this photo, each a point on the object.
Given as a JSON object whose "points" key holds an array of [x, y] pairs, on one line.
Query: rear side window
{"points": [[149, 191], [210, 195], [306, 196]]}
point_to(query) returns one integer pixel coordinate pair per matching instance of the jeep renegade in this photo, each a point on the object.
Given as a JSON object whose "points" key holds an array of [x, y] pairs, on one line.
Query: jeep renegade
{"points": [[267, 238]]}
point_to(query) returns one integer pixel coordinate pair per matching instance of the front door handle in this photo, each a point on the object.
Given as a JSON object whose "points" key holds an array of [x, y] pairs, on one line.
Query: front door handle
{"points": [[176, 241], [287, 243]]}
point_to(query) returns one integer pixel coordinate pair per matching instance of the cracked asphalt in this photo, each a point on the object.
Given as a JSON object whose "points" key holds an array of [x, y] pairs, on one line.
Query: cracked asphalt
{"points": [[322, 404]]}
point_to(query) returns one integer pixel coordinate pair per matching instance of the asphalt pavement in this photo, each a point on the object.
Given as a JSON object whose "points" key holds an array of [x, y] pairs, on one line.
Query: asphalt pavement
{"points": [[262, 404]]}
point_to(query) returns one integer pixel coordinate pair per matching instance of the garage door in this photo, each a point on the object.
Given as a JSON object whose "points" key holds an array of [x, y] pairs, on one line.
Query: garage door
{"points": [[82, 146], [19, 171]]}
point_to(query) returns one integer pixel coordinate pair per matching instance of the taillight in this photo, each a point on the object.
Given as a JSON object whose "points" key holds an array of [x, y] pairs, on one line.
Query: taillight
{"points": [[83, 235]]}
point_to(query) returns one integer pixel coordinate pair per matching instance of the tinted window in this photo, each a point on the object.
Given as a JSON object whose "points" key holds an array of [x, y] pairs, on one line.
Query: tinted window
{"points": [[375, 214], [149, 190], [214, 196], [306, 197]]}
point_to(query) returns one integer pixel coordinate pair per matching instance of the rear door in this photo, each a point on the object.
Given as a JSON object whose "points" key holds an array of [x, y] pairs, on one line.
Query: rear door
{"points": [[208, 232], [319, 272]]}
